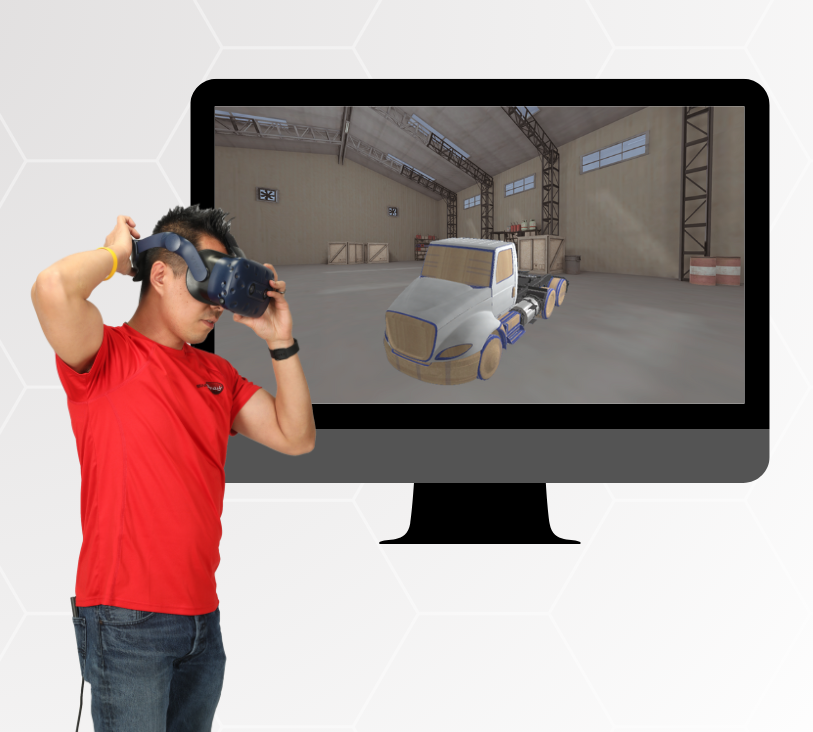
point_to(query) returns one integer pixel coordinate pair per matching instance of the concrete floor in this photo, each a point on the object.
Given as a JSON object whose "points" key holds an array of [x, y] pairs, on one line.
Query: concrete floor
{"points": [[615, 339]]}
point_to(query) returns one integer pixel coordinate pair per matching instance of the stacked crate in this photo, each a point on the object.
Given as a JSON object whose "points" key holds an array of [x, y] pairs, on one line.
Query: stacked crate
{"points": [[544, 253]]}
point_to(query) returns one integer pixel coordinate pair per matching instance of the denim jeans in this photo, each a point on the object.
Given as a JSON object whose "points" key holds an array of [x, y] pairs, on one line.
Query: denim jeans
{"points": [[150, 672]]}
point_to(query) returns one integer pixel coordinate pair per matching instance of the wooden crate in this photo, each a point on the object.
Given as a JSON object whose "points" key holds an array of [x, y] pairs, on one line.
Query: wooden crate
{"points": [[337, 252], [542, 253], [355, 253], [377, 252], [525, 251]]}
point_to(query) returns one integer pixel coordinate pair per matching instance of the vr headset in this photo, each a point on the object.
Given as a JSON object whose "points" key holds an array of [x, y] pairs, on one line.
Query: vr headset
{"points": [[235, 282]]}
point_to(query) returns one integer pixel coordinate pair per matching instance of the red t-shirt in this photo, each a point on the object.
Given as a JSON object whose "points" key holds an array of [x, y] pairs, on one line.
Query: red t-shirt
{"points": [[152, 425]]}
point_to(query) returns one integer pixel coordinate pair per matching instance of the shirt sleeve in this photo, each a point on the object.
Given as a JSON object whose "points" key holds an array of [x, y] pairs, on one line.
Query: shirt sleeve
{"points": [[241, 390], [82, 387]]}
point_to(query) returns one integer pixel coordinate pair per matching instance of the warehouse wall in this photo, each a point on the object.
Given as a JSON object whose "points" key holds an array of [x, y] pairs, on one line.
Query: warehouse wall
{"points": [[625, 218], [320, 201], [516, 208]]}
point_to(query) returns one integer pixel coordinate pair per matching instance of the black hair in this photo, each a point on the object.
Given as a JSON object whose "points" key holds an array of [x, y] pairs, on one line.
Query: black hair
{"points": [[191, 223]]}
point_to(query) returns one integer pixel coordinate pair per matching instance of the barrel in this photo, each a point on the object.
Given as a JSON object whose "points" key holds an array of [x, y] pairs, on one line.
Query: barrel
{"points": [[572, 263], [703, 270], [728, 270]]}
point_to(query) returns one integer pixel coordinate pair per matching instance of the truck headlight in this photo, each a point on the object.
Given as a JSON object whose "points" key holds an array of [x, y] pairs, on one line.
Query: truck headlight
{"points": [[453, 351]]}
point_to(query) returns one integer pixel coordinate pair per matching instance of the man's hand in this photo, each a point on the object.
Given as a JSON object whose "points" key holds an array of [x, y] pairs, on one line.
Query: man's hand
{"points": [[120, 240], [275, 325]]}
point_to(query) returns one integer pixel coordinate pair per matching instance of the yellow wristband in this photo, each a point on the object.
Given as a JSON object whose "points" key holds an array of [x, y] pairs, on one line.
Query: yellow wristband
{"points": [[115, 263]]}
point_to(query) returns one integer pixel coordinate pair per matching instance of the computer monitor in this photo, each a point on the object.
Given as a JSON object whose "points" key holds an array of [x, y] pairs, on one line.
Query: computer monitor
{"points": [[527, 442]]}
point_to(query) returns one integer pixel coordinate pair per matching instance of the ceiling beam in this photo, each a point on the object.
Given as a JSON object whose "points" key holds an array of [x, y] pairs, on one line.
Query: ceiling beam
{"points": [[346, 131], [401, 119], [248, 127], [440, 146], [534, 132]]}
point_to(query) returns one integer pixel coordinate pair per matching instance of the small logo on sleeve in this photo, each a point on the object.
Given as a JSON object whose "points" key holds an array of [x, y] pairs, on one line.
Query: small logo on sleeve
{"points": [[213, 386]]}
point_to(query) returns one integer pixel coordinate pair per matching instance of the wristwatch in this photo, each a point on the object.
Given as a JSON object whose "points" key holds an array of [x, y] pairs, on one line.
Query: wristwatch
{"points": [[280, 354]]}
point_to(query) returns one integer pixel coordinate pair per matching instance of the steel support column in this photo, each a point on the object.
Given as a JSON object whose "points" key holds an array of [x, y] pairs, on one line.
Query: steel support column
{"points": [[451, 216], [486, 209], [688, 140], [550, 194], [549, 155]]}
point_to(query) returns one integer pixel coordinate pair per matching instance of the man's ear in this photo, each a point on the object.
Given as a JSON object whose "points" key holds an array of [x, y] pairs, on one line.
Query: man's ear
{"points": [[159, 272]]}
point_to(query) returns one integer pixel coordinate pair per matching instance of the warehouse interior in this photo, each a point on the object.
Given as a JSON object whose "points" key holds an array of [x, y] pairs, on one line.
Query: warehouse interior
{"points": [[639, 209]]}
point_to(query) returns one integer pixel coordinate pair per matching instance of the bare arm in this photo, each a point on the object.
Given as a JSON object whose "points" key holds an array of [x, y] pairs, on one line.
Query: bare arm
{"points": [[73, 326], [294, 410]]}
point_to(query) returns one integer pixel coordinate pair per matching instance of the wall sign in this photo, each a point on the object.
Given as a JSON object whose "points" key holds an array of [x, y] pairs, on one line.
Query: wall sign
{"points": [[267, 194]]}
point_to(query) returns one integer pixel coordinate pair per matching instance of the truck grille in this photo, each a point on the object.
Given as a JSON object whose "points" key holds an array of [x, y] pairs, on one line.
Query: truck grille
{"points": [[412, 337]]}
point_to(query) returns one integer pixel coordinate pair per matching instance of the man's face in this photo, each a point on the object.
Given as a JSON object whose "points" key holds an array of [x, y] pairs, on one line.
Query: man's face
{"points": [[185, 315]]}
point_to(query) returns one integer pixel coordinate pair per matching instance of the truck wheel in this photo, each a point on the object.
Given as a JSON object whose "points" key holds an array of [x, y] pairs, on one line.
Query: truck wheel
{"points": [[548, 304], [561, 289], [489, 357], [559, 286]]}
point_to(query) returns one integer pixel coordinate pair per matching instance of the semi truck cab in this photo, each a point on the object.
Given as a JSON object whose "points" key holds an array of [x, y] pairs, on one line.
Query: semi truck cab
{"points": [[450, 325]]}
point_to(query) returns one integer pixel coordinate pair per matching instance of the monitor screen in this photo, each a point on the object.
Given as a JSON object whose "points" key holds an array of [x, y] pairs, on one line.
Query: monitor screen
{"points": [[639, 376]]}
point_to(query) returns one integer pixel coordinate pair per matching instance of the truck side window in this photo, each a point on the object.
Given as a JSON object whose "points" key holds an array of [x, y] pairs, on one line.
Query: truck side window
{"points": [[504, 265]]}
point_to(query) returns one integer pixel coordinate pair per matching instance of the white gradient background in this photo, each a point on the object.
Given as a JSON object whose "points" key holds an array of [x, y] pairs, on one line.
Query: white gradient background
{"points": [[685, 607]]}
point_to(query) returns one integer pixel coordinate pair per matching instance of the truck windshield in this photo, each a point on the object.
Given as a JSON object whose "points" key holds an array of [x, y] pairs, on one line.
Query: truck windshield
{"points": [[457, 264]]}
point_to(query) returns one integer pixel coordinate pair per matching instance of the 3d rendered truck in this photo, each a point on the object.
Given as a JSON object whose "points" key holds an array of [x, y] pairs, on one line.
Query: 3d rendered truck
{"points": [[451, 324]]}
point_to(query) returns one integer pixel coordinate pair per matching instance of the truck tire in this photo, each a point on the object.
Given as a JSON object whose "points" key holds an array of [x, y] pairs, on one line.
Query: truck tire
{"points": [[559, 286], [489, 357], [548, 304]]}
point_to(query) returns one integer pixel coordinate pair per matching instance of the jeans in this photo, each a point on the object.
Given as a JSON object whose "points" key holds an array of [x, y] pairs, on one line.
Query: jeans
{"points": [[150, 672]]}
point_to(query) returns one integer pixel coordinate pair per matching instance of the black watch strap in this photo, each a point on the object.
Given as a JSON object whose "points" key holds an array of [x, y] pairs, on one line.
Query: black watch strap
{"points": [[280, 354]]}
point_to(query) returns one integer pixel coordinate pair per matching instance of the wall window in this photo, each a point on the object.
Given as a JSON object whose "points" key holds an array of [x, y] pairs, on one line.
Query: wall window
{"points": [[617, 153], [473, 201], [518, 186]]}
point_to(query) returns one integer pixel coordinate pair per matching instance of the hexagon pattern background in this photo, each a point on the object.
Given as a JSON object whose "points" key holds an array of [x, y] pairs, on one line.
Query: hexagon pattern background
{"points": [[685, 606]]}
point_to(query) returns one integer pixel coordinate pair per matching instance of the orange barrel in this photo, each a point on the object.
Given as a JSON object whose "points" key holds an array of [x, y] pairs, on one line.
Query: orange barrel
{"points": [[728, 271], [703, 270]]}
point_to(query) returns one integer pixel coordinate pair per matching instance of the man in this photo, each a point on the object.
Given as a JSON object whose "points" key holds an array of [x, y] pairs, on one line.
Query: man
{"points": [[152, 416]]}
